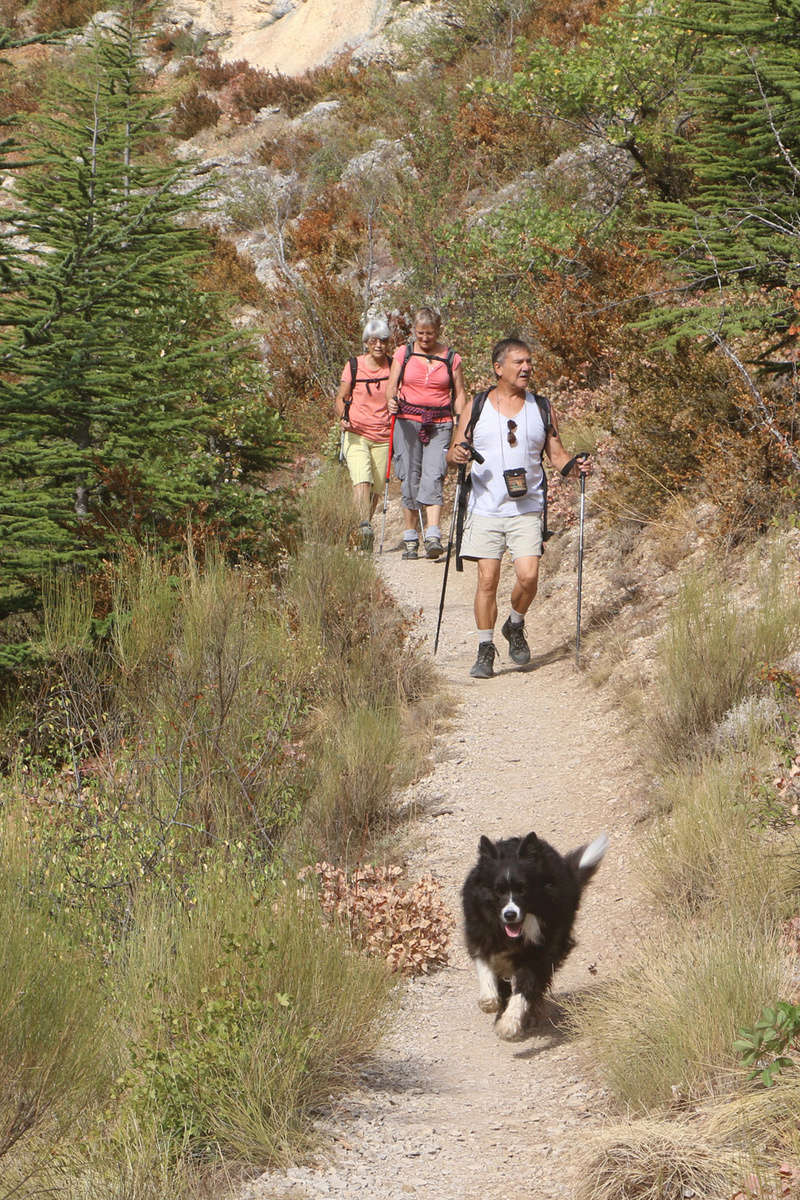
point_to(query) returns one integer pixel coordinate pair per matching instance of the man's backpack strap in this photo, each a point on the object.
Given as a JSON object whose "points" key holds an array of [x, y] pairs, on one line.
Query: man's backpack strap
{"points": [[353, 364]]}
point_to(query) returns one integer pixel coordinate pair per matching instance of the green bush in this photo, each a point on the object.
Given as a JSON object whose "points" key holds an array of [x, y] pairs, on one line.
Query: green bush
{"points": [[247, 1032]]}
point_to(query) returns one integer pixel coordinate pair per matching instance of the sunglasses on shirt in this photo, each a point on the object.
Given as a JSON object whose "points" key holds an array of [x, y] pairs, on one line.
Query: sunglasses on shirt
{"points": [[512, 435]]}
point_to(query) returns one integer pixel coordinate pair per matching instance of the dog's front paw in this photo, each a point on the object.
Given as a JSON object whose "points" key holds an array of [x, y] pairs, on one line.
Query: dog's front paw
{"points": [[489, 1003], [511, 1025]]}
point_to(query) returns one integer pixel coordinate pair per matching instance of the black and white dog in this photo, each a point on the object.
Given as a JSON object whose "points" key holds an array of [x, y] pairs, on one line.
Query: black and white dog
{"points": [[520, 902]]}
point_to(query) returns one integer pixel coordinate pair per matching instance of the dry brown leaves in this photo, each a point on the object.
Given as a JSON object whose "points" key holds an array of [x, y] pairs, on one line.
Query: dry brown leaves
{"points": [[409, 926], [786, 1184]]}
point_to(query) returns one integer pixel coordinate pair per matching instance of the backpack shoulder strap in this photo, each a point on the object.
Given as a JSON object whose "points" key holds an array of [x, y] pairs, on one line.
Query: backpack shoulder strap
{"points": [[353, 363], [478, 402], [448, 362], [409, 350], [544, 410]]}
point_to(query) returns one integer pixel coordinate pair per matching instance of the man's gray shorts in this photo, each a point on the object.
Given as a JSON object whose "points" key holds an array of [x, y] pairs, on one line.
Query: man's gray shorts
{"points": [[421, 468]]}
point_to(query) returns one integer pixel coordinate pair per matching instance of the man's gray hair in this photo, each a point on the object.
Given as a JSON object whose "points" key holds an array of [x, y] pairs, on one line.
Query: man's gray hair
{"points": [[376, 327]]}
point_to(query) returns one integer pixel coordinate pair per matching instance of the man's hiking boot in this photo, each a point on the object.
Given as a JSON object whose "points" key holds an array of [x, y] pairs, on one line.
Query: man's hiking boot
{"points": [[366, 536], [518, 648], [411, 549], [433, 547], [483, 667]]}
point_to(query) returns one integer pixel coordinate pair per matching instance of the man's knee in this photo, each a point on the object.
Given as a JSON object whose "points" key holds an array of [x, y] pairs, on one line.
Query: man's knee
{"points": [[488, 576], [527, 574]]}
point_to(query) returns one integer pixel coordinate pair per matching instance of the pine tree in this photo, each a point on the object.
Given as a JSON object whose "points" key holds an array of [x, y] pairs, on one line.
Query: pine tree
{"points": [[111, 359], [739, 235]]}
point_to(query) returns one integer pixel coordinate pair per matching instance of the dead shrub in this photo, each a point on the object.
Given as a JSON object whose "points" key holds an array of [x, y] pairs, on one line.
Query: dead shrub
{"points": [[193, 112], [51, 15], [409, 927], [252, 89], [290, 151], [330, 228], [656, 1160], [578, 317], [229, 272], [682, 418]]}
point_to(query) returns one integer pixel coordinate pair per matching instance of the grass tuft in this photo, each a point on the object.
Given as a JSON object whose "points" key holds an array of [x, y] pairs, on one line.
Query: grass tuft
{"points": [[655, 1160]]}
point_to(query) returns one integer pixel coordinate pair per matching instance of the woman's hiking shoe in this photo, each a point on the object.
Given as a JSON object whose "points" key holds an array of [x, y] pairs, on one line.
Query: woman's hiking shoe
{"points": [[483, 667], [411, 549], [433, 547], [518, 648], [367, 536]]}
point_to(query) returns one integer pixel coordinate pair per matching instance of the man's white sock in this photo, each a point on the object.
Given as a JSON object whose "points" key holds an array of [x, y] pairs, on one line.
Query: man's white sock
{"points": [[516, 618], [485, 635]]}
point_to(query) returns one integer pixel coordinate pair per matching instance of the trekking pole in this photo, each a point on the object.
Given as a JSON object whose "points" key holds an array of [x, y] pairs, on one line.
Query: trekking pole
{"points": [[386, 489], [565, 471], [456, 500], [347, 404]]}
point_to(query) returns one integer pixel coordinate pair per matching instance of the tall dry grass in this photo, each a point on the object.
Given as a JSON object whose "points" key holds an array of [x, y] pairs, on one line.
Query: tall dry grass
{"points": [[666, 1026], [710, 654], [710, 851]]}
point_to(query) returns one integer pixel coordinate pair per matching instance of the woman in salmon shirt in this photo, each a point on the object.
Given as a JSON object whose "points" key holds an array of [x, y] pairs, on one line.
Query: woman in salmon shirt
{"points": [[361, 404], [426, 388]]}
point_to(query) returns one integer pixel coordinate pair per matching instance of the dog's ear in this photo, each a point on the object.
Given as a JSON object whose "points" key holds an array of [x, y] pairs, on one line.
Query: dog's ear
{"points": [[486, 848], [529, 845]]}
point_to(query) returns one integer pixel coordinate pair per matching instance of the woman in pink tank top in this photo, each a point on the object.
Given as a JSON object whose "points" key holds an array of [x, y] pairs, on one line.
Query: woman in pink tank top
{"points": [[425, 390], [361, 407]]}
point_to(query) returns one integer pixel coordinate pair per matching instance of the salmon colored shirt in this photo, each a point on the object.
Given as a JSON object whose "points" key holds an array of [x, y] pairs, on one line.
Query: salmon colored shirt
{"points": [[426, 384], [369, 414]]}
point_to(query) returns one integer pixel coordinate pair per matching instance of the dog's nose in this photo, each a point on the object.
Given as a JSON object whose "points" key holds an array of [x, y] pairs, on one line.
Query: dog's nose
{"points": [[511, 912]]}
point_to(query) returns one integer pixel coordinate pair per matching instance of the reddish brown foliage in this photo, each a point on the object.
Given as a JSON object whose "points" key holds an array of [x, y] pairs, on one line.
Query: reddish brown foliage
{"points": [[227, 271], [563, 23], [498, 139], [578, 317], [408, 927], [331, 227], [193, 112], [290, 151]]}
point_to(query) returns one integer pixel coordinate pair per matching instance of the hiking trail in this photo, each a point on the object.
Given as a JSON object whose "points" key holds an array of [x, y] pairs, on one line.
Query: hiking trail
{"points": [[445, 1110]]}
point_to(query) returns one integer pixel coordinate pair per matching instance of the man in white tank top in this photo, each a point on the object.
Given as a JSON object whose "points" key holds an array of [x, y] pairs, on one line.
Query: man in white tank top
{"points": [[506, 497]]}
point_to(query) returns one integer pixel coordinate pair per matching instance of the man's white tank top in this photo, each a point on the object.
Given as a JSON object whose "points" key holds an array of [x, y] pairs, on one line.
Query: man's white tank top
{"points": [[488, 495]]}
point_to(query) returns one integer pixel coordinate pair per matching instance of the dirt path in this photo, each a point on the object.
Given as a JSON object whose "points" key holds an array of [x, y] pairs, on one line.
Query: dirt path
{"points": [[447, 1110]]}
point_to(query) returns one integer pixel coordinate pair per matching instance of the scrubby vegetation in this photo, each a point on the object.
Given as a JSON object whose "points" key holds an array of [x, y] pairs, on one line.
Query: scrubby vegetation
{"points": [[703, 1020], [187, 725], [175, 992]]}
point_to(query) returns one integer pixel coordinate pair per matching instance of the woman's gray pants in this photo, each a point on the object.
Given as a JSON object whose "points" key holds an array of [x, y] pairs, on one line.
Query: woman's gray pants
{"points": [[421, 468]]}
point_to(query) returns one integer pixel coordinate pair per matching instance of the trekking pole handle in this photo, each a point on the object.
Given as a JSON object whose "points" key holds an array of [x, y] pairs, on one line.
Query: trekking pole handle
{"points": [[577, 458], [473, 453]]}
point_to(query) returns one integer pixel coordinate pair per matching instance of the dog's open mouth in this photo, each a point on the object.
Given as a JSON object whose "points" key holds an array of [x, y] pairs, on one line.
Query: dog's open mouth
{"points": [[513, 929]]}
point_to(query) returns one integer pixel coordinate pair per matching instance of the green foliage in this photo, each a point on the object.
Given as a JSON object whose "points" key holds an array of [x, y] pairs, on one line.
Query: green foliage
{"points": [[775, 1031], [735, 238], [621, 83], [260, 1011], [124, 388]]}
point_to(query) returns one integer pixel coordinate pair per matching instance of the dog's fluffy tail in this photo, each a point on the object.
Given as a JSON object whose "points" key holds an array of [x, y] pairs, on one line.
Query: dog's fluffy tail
{"points": [[586, 859]]}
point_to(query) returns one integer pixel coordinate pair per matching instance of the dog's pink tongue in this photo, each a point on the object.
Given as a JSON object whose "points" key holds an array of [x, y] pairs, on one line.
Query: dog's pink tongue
{"points": [[513, 931]]}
